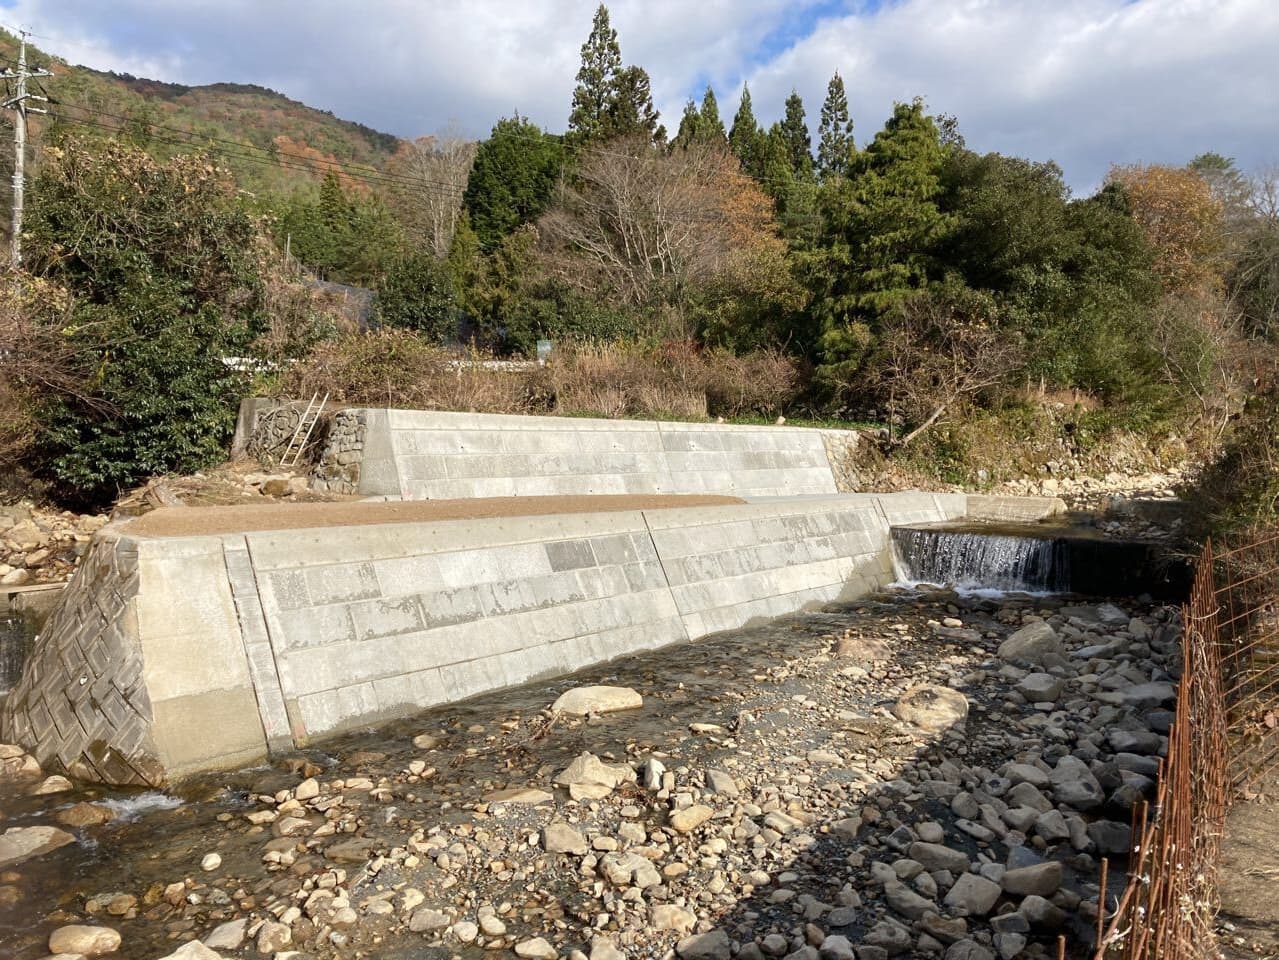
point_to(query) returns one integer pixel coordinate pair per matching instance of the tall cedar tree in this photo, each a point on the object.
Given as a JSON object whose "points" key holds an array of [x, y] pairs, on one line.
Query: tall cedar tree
{"points": [[701, 125], [512, 180], [596, 89], [712, 125], [799, 143], [745, 136], [631, 112], [880, 227], [834, 132]]}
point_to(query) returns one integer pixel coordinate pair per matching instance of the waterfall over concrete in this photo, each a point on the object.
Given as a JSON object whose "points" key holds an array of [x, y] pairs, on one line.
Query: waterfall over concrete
{"points": [[1037, 558], [982, 560]]}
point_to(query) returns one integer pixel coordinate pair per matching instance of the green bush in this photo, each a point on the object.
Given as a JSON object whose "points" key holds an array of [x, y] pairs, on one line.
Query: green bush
{"points": [[161, 262], [417, 294]]}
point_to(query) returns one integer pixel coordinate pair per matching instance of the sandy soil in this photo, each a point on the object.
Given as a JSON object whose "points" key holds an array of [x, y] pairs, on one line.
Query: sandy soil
{"points": [[1248, 880], [198, 521]]}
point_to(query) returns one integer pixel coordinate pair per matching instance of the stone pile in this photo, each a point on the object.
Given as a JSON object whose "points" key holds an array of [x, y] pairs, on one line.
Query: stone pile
{"points": [[937, 780], [39, 545]]}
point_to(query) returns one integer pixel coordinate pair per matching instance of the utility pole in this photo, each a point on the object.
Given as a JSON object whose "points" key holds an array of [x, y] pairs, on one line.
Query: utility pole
{"points": [[18, 103]]}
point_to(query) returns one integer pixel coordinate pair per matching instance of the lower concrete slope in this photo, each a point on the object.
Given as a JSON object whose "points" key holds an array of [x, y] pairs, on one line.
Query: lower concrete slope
{"points": [[170, 655]]}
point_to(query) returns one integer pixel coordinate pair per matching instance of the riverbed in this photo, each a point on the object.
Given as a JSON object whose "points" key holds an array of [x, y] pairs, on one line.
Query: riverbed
{"points": [[815, 809]]}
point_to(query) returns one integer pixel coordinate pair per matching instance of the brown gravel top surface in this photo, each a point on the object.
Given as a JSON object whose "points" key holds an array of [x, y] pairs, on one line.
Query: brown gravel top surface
{"points": [[198, 521]]}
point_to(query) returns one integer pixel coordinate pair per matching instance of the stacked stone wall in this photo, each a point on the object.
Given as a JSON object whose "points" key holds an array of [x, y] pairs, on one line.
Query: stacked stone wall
{"points": [[338, 468]]}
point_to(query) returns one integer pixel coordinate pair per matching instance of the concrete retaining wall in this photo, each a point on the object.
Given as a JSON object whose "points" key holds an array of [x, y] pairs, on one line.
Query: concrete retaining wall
{"points": [[421, 455], [168, 656]]}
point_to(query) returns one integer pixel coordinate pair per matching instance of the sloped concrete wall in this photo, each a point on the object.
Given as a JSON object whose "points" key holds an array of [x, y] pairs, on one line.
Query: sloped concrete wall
{"points": [[432, 455], [230, 646]]}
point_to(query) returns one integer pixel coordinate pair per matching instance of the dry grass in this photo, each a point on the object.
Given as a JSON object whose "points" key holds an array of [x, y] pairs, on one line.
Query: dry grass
{"points": [[675, 379], [394, 368]]}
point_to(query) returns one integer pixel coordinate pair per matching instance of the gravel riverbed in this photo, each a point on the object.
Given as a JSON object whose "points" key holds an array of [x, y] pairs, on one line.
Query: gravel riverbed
{"points": [[916, 774]]}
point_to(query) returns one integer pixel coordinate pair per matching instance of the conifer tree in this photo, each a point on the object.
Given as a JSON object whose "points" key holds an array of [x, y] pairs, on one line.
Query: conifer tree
{"points": [[596, 89], [881, 228], [690, 125], [701, 124], [745, 136], [712, 127], [835, 132], [799, 143], [631, 112]]}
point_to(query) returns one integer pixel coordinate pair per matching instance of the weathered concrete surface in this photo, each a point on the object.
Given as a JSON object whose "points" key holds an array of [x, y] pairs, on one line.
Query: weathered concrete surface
{"points": [[418, 454], [1014, 509], [172, 655]]}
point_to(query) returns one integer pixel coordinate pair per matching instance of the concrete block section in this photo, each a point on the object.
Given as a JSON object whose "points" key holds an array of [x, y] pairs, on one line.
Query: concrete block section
{"points": [[168, 656], [1014, 509], [417, 454]]}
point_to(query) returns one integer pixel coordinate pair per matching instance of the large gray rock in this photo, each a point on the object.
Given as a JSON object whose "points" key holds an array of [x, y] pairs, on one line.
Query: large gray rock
{"points": [[932, 707], [705, 946], [559, 837], [1134, 741], [583, 700], [968, 950], [890, 936], [22, 843], [1040, 687], [84, 940], [1145, 695], [1073, 784], [690, 818], [1035, 643], [934, 856], [590, 770], [863, 649], [227, 936], [906, 901], [1042, 879], [974, 895], [1110, 836], [1042, 913]]}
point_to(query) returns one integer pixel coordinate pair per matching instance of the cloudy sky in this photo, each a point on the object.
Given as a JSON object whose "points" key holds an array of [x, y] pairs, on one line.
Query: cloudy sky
{"points": [[1084, 82]]}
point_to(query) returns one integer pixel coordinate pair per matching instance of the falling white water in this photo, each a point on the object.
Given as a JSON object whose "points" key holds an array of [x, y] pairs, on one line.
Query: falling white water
{"points": [[976, 561]]}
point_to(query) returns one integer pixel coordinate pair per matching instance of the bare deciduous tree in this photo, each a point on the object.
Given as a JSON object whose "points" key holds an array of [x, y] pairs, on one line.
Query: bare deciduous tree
{"points": [[649, 224], [940, 350], [37, 360], [432, 173]]}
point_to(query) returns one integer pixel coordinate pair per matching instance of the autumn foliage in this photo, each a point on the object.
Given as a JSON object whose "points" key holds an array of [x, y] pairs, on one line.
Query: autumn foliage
{"points": [[1182, 221]]}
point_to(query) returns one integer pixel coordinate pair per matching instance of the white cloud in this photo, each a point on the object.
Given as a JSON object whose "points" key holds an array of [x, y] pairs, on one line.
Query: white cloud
{"points": [[1084, 82]]}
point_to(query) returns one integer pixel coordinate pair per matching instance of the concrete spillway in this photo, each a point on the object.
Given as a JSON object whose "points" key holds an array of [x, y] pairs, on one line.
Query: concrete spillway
{"points": [[170, 655], [1048, 558]]}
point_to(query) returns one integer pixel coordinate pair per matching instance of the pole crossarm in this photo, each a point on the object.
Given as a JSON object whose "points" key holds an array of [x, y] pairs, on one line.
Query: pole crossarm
{"points": [[19, 103]]}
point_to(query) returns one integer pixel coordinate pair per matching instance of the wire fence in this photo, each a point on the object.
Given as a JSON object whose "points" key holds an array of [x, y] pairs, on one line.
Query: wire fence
{"points": [[1224, 738]]}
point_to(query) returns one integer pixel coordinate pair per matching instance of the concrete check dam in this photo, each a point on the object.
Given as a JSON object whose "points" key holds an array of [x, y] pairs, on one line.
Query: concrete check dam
{"points": [[196, 639]]}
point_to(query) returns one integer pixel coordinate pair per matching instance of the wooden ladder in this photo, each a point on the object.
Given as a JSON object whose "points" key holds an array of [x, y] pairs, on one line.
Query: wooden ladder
{"points": [[302, 435]]}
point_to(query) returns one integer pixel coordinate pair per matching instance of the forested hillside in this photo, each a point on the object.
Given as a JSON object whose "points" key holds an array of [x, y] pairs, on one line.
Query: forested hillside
{"points": [[985, 320], [270, 142]]}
